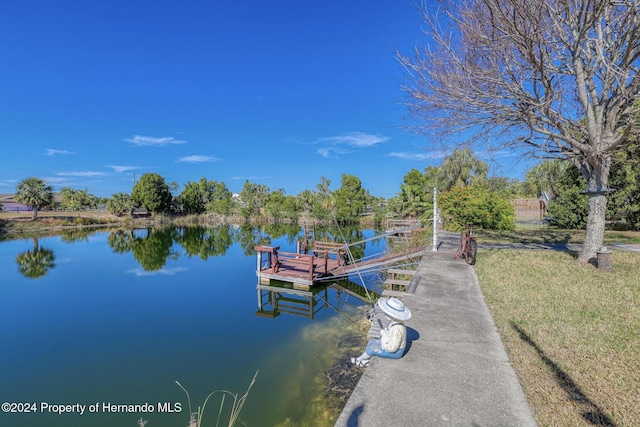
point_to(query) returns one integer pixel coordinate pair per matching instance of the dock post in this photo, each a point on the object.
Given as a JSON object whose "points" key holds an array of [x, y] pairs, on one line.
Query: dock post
{"points": [[259, 267]]}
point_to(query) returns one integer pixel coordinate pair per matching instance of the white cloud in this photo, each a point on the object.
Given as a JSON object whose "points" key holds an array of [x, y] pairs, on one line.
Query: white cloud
{"points": [[328, 152], [199, 159], [56, 180], [413, 156], [333, 146], [81, 173], [324, 152], [151, 141], [53, 151], [162, 272], [122, 169], [355, 139]]}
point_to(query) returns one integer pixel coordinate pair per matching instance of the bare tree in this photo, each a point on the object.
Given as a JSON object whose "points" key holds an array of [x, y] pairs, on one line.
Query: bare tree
{"points": [[557, 78]]}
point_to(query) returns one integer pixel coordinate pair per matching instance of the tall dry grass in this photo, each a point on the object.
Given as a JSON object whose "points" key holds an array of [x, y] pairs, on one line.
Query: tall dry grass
{"points": [[572, 333], [230, 418]]}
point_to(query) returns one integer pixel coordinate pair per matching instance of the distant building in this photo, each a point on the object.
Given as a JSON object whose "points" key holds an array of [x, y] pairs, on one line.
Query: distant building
{"points": [[10, 205]]}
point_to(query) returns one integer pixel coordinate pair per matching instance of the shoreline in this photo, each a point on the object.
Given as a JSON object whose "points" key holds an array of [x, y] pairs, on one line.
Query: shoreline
{"points": [[15, 225], [20, 224]]}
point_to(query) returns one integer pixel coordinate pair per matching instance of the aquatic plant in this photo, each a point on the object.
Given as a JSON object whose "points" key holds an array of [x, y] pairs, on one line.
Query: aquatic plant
{"points": [[195, 418]]}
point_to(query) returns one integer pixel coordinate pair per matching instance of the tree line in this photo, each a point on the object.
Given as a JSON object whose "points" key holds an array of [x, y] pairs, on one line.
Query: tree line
{"points": [[256, 201], [466, 196]]}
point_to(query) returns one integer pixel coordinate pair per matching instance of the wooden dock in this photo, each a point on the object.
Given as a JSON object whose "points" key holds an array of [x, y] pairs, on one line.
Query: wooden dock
{"points": [[326, 261]]}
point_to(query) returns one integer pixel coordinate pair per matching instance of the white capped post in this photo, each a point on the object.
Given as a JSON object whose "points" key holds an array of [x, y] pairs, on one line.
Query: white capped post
{"points": [[435, 219]]}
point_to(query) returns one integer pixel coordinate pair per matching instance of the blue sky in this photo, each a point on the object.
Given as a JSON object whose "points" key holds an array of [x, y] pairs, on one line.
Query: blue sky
{"points": [[279, 93]]}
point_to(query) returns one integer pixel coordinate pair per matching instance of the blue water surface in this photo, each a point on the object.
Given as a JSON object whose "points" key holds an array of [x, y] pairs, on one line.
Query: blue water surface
{"points": [[101, 327]]}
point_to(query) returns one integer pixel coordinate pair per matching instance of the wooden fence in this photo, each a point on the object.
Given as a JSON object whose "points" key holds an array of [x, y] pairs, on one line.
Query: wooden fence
{"points": [[529, 209]]}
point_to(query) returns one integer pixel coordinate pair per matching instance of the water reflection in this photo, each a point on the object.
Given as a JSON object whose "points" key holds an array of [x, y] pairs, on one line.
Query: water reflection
{"points": [[282, 297], [347, 234], [204, 242], [247, 236], [153, 250], [152, 247], [121, 241], [33, 264], [76, 236], [273, 300]]}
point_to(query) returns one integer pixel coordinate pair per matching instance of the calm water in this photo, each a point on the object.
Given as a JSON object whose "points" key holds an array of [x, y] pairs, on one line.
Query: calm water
{"points": [[106, 318]]}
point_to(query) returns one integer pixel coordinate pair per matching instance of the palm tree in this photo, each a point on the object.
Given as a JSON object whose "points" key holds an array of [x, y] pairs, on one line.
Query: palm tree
{"points": [[306, 198], [120, 204], [460, 168], [546, 176], [34, 193]]}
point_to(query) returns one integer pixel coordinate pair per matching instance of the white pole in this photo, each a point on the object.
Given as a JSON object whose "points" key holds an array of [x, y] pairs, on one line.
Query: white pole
{"points": [[435, 219], [259, 266]]}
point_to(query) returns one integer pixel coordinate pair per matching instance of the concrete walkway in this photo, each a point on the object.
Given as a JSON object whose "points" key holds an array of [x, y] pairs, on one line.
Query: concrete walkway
{"points": [[455, 371]]}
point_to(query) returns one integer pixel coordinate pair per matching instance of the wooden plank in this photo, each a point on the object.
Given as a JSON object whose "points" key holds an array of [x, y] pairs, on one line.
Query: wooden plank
{"points": [[270, 249], [380, 261], [267, 313], [288, 276], [390, 293], [401, 271], [397, 282], [328, 245], [302, 293]]}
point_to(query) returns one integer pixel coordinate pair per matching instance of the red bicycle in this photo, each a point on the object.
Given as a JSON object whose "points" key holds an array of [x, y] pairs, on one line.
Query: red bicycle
{"points": [[468, 247]]}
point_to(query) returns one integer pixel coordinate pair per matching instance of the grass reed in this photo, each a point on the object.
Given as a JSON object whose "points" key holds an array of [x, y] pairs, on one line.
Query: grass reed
{"points": [[195, 418]]}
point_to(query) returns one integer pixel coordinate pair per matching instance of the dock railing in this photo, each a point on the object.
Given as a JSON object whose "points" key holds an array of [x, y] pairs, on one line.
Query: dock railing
{"points": [[277, 260], [330, 250], [395, 225], [296, 261], [272, 257]]}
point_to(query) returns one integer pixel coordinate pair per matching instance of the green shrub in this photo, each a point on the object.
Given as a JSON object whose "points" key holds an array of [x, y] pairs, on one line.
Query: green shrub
{"points": [[476, 207], [569, 209]]}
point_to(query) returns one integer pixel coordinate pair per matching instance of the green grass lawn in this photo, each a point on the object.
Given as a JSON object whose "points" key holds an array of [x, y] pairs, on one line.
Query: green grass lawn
{"points": [[550, 235], [572, 331]]}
